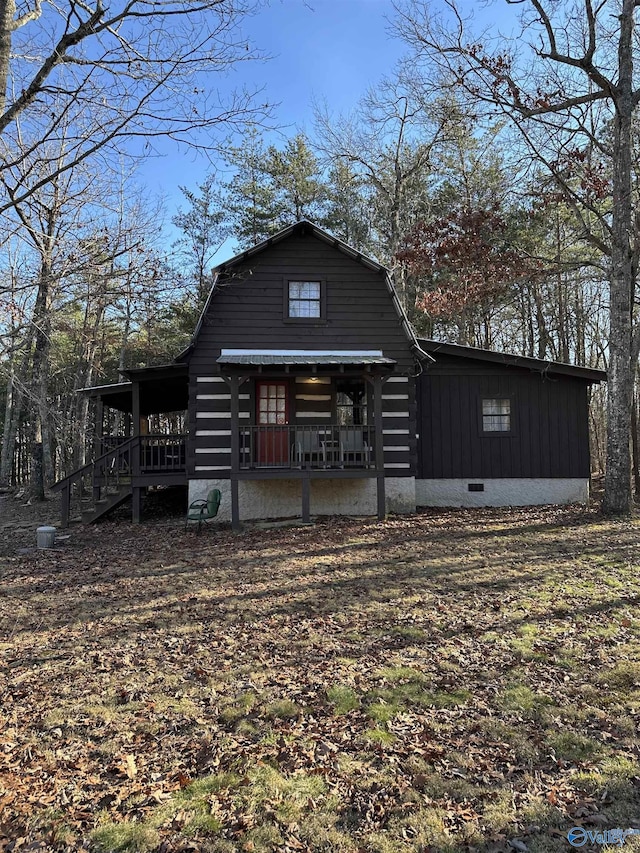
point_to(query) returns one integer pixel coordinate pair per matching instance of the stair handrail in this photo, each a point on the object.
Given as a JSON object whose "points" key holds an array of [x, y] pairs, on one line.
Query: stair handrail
{"points": [[65, 484], [115, 451]]}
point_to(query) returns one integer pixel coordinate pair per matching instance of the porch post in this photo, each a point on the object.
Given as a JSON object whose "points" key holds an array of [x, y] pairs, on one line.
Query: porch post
{"points": [[99, 428], [65, 506], [136, 491], [377, 418], [306, 498], [98, 445], [136, 504], [234, 385], [135, 409]]}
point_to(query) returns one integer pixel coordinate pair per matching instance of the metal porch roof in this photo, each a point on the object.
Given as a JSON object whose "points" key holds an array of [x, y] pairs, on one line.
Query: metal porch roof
{"points": [[302, 357], [338, 359]]}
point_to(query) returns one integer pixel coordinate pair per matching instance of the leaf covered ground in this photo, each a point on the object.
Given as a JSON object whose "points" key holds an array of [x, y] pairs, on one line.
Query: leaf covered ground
{"points": [[451, 681]]}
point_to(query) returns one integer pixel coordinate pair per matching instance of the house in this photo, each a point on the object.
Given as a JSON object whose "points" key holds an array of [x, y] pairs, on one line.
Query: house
{"points": [[307, 391], [501, 430]]}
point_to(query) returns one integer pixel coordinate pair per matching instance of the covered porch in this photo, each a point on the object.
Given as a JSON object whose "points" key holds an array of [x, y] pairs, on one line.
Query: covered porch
{"points": [[135, 457], [305, 416], [310, 446]]}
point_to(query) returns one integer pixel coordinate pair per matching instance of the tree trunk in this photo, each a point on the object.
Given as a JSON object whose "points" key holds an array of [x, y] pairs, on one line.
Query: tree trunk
{"points": [[635, 439], [7, 15], [39, 366], [15, 396], [8, 436], [46, 422], [617, 498], [541, 324], [580, 325], [36, 490], [13, 415]]}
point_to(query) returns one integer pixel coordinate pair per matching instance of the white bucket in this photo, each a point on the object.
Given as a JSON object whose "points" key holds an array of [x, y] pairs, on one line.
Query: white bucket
{"points": [[46, 537]]}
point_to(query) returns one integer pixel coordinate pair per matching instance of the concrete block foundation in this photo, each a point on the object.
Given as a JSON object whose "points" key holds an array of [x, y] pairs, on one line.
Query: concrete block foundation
{"points": [[501, 492], [268, 499]]}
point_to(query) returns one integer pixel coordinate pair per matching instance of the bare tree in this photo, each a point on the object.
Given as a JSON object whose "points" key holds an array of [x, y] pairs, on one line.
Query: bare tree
{"points": [[46, 218], [566, 85], [133, 69], [388, 144], [82, 83], [74, 232]]}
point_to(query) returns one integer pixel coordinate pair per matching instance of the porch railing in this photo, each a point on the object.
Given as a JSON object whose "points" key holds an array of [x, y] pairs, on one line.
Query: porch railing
{"points": [[95, 481], [157, 452], [313, 446], [162, 453], [114, 469], [110, 442]]}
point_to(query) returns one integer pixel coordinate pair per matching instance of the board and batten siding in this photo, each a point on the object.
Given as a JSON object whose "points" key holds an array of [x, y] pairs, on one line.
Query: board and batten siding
{"points": [[549, 423], [246, 311]]}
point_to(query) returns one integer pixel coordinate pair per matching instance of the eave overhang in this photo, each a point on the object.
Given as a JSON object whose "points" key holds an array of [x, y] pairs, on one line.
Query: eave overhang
{"points": [[163, 388], [537, 365]]}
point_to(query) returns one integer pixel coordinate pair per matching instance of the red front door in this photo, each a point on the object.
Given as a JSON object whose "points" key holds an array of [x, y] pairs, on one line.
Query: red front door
{"points": [[272, 402]]}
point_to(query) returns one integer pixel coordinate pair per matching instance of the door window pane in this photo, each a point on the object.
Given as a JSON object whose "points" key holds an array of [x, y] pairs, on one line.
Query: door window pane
{"points": [[272, 404]]}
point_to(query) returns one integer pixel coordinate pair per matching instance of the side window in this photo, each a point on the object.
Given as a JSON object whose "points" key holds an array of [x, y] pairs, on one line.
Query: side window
{"points": [[496, 414], [304, 300], [351, 402]]}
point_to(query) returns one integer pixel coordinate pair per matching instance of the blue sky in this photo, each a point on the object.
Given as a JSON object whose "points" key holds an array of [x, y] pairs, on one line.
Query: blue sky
{"points": [[322, 49], [331, 50]]}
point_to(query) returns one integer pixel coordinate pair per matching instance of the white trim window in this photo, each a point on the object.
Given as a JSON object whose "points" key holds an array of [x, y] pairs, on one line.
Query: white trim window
{"points": [[496, 414], [305, 299]]}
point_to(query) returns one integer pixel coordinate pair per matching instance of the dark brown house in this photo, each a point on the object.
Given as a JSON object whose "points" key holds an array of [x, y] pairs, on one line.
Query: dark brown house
{"points": [[501, 430], [307, 391]]}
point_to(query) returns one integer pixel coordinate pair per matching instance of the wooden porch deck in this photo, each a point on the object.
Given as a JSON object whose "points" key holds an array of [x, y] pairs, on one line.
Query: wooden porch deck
{"points": [[127, 466]]}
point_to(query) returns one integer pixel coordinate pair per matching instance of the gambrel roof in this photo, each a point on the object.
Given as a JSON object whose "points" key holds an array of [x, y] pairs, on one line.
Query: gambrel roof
{"points": [[304, 226]]}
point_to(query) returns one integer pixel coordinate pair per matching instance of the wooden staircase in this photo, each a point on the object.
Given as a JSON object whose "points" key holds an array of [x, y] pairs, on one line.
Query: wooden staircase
{"points": [[100, 486], [106, 504]]}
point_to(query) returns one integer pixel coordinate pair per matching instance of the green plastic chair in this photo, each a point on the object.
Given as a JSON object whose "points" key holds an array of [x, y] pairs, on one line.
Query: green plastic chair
{"points": [[204, 510]]}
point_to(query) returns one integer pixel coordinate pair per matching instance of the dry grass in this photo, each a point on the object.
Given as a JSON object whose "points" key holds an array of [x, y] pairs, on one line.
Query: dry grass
{"points": [[453, 681]]}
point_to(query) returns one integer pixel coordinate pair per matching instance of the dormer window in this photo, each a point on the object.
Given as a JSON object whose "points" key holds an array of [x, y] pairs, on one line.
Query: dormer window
{"points": [[304, 300]]}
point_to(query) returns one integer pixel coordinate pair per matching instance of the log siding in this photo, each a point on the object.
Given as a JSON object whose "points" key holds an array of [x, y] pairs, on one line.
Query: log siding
{"points": [[246, 312]]}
